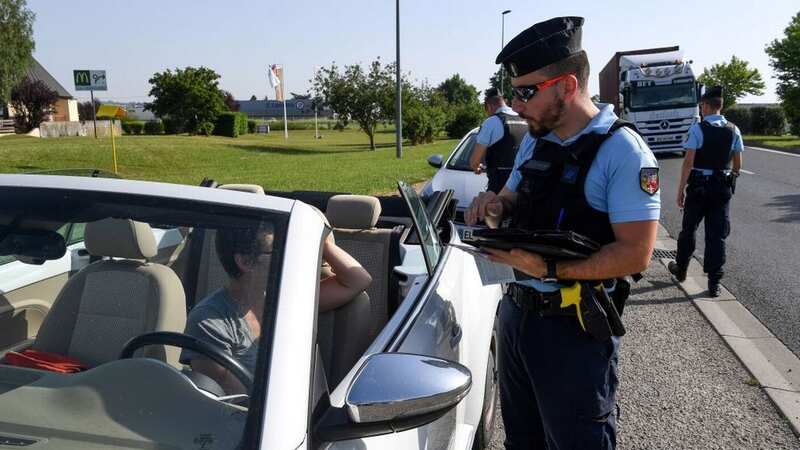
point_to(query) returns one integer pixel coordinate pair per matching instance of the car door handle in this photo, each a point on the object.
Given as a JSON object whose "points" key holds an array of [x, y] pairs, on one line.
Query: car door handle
{"points": [[456, 334]]}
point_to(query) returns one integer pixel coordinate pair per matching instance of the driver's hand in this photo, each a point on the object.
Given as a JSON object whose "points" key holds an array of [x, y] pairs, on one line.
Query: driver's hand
{"points": [[486, 204]]}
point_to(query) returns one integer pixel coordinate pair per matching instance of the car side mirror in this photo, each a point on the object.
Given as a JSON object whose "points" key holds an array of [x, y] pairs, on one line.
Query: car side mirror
{"points": [[435, 160], [394, 392]]}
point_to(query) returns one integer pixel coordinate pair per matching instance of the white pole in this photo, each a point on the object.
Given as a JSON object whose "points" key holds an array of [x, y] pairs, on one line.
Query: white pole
{"points": [[283, 91], [316, 126]]}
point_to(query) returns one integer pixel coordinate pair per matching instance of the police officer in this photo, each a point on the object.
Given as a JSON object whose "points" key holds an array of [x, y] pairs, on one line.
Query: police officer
{"points": [[579, 169], [498, 140], [706, 187]]}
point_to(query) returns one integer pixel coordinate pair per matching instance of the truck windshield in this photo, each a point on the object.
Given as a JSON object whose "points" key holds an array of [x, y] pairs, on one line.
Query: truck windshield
{"points": [[664, 96]]}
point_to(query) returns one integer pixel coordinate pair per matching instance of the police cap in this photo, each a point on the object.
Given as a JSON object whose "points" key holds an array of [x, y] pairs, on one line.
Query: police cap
{"points": [[541, 45], [712, 92]]}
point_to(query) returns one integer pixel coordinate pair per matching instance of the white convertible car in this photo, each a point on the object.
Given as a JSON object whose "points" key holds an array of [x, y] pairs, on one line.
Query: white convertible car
{"points": [[104, 272]]}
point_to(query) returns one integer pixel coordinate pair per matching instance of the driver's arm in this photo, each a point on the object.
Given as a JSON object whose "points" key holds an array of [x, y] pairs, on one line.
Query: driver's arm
{"points": [[229, 383]]}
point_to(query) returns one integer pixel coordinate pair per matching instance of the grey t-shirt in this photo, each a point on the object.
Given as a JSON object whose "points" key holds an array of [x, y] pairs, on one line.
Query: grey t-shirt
{"points": [[217, 319]]}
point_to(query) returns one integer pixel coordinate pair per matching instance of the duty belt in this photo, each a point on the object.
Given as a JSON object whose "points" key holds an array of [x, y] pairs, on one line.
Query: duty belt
{"points": [[543, 303]]}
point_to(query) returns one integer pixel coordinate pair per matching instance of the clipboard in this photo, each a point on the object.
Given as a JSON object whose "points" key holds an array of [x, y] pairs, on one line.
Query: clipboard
{"points": [[551, 244]]}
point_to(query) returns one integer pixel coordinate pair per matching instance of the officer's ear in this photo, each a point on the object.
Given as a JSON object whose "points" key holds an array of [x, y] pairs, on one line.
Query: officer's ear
{"points": [[570, 88]]}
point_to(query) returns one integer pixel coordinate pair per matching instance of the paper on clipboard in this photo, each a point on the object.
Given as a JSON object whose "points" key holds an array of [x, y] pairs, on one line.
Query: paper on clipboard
{"points": [[489, 271]]}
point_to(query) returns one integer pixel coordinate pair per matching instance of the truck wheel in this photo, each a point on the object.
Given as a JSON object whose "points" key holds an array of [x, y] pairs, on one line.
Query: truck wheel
{"points": [[486, 426]]}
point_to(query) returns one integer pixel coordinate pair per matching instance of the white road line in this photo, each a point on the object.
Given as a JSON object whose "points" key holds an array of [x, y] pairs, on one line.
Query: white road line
{"points": [[773, 151], [747, 172]]}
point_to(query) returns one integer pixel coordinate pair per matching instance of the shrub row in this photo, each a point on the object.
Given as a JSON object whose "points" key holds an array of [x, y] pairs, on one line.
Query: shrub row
{"points": [[231, 124], [141, 127], [764, 120]]}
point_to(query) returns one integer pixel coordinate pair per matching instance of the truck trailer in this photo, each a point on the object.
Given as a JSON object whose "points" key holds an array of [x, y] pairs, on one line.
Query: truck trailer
{"points": [[656, 90]]}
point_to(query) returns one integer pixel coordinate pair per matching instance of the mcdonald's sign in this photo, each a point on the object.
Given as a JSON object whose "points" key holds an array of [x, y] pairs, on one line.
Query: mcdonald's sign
{"points": [[90, 80]]}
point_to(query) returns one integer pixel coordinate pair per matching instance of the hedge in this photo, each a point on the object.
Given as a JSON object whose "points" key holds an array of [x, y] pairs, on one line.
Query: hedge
{"points": [[132, 126], [251, 126], [154, 127], [231, 124], [762, 120]]}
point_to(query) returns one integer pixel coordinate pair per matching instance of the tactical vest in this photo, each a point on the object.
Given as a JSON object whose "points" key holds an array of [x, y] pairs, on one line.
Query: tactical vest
{"points": [[500, 156], [715, 153], [554, 179]]}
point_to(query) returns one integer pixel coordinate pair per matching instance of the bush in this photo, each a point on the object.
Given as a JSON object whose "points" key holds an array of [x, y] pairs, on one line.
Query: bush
{"points": [[206, 128], [171, 126], [465, 117], [251, 126], [741, 118], [132, 126], [227, 124], [154, 127], [767, 120], [422, 122], [794, 126], [241, 123]]}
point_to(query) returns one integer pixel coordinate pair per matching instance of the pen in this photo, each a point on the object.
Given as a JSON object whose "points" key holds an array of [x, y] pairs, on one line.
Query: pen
{"points": [[560, 218]]}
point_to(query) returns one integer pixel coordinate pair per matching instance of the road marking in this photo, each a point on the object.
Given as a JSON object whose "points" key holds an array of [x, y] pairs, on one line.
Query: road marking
{"points": [[773, 151], [747, 172]]}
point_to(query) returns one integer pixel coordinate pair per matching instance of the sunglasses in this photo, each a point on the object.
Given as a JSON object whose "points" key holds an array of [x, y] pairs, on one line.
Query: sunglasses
{"points": [[525, 93]]}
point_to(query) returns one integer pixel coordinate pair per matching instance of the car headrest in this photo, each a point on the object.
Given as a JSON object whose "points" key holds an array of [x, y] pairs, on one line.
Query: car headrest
{"points": [[254, 188], [120, 238], [358, 212]]}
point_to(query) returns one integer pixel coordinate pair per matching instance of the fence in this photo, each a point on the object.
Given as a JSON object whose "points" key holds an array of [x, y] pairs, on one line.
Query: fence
{"points": [[7, 126], [61, 129]]}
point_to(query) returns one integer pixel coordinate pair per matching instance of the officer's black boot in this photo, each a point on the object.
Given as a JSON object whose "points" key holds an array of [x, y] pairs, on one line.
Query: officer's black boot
{"points": [[677, 271], [713, 288]]}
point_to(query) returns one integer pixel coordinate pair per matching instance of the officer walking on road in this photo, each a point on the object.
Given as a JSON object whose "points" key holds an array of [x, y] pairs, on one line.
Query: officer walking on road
{"points": [[579, 169], [498, 140], [706, 186]]}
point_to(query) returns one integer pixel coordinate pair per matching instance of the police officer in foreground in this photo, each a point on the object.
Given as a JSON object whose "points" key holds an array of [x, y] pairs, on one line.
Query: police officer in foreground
{"points": [[578, 169], [707, 184], [498, 140]]}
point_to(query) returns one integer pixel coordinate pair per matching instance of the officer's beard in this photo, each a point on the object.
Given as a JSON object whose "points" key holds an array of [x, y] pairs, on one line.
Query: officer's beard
{"points": [[551, 119]]}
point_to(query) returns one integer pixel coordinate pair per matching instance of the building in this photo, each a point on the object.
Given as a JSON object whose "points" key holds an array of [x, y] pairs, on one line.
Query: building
{"points": [[66, 107], [296, 108]]}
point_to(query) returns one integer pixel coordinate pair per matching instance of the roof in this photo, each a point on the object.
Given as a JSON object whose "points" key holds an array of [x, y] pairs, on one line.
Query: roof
{"points": [[36, 72]]}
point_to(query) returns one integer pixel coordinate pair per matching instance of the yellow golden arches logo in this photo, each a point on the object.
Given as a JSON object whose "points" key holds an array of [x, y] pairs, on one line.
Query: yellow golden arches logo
{"points": [[82, 78]]}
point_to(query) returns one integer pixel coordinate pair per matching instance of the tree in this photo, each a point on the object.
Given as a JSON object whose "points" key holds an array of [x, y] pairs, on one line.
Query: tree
{"points": [[16, 43], [784, 57], [425, 114], [86, 109], [355, 94], [736, 78], [494, 82], [190, 97], [230, 102], [32, 102], [457, 91]]}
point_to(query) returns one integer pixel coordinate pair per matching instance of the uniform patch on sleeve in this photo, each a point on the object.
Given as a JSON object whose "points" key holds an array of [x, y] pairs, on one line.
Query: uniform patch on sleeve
{"points": [[648, 180]]}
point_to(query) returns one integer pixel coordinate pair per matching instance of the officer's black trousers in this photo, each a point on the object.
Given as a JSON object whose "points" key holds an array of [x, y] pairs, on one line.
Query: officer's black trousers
{"points": [[708, 200], [557, 385]]}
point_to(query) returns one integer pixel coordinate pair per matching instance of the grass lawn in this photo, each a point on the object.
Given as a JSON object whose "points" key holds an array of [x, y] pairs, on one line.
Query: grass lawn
{"points": [[340, 161], [776, 142]]}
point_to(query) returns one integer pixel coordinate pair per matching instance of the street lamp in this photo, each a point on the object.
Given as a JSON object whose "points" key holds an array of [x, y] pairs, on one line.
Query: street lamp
{"points": [[398, 112], [502, 43]]}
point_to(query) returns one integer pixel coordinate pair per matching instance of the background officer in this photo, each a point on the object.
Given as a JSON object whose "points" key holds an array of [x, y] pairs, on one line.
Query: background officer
{"points": [[711, 146], [581, 170], [498, 139]]}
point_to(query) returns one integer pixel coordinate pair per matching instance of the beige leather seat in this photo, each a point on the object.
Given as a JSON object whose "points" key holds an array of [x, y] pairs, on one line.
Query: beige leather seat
{"points": [[353, 218], [113, 300]]}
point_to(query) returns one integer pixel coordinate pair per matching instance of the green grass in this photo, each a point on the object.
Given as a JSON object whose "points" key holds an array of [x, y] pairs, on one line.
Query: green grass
{"points": [[340, 161], [787, 142]]}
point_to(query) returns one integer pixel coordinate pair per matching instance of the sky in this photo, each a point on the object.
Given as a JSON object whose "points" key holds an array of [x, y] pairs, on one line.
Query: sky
{"points": [[438, 38]]}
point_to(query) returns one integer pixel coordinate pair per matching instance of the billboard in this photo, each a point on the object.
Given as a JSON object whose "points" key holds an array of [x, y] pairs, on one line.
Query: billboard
{"points": [[90, 80]]}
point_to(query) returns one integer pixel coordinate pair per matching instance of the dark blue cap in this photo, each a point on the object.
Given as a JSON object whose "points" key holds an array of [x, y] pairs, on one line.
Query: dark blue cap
{"points": [[541, 45]]}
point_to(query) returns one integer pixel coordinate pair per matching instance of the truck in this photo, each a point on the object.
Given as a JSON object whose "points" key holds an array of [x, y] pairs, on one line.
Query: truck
{"points": [[656, 90]]}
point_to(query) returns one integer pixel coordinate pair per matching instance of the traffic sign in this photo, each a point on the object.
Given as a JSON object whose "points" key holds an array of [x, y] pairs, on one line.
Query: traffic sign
{"points": [[90, 80]]}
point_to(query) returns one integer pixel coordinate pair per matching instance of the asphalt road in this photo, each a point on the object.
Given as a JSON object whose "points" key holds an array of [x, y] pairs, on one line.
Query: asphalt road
{"points": [[763, 257]]}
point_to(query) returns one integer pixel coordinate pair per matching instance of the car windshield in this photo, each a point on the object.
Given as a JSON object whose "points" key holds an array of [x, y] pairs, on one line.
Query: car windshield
{"points": [[461, 155], [83, 273], [664, 96]]}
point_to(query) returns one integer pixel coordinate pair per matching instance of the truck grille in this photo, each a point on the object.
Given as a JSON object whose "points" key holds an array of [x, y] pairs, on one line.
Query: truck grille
{"points": [[664, 134]]}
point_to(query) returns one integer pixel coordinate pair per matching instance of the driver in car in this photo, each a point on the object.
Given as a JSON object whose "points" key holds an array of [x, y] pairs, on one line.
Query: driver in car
{"points": [[231, 317]]}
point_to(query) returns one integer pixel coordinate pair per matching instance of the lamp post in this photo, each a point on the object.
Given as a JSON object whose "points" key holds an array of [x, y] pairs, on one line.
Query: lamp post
{"points": [[502, 43], [398, 111]]}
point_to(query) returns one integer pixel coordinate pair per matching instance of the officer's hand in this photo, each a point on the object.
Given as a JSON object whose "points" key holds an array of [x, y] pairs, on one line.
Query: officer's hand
{"points": [[486, 204], [527, 262], [681, 198], [479, 169]]}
